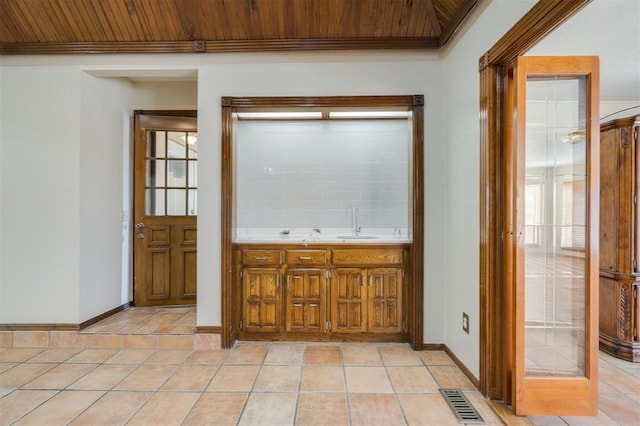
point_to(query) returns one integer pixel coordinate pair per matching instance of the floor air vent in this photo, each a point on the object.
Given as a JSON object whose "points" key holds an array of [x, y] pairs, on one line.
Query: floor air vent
{"points": [[461, 406]]}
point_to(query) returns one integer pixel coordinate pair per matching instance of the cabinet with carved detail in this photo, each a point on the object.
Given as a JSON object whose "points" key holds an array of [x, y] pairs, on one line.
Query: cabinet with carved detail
{"points": [[321, 292], [619, 239], [367, 300]]}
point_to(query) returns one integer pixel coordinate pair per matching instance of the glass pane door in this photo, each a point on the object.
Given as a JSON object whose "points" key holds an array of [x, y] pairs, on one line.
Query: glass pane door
{"points": [[556, 271]]}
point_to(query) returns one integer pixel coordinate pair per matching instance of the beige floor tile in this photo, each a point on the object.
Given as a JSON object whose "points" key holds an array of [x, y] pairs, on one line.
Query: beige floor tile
{"points": [[66, 339], [60, 376], [323, 355], [162, 319], [4, 366], [435, 358], [600, 420], [190, 378], [617, 378], [234, 378], [322, 379], [114, 408], [54, 355], [18, 354], [131, 356], [30, 339], [214, 357], [140, 342], [93, 356], [20, 402], [61, 409], [361, 354], [278, 378], [634, 396], [176, 341], [146, 378], [165, 408], [103, 377], [412, 379], [23, 373], [620, 408], [367, 380], [322, 409], [225, 408], [481, 406], [375, 409], [109, 341], [450, 377], [285, 354], [547, 421], [426, 409], [399, 355], [246, 355], [269, 409], [168, 356]]}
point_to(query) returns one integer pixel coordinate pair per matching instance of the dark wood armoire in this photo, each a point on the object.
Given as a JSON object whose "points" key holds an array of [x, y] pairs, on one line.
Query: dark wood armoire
{"points": [[619, 239]]}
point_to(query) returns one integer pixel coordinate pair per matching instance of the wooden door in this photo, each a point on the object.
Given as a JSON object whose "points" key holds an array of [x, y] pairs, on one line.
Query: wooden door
{"points": [[306, 300], [554, 174], [348, 298], [384, 300], [165, 208], [262, 306]]}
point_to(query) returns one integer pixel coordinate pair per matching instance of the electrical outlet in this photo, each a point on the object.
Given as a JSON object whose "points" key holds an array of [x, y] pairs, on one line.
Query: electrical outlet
{"points": [[465, 322]]}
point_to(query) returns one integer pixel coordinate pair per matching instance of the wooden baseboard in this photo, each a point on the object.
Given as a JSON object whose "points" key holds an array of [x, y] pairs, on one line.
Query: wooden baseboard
{"points": [[102, 316], [213, 329], [63, 327], [442, 347]]}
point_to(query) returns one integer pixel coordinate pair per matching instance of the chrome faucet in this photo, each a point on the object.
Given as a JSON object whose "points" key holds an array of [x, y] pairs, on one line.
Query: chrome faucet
{"points": [[355, 220]]}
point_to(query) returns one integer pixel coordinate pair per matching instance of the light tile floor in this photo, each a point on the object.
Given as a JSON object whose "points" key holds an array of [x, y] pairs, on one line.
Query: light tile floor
{"points": [[253, 383]]}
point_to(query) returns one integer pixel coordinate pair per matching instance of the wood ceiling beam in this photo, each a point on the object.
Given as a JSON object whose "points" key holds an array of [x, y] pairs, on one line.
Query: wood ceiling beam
{"points": [[203, 46]]}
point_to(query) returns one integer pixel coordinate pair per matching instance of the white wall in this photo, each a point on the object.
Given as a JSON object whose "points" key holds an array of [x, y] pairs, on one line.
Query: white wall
{"points": [[40, 194], [317, 74], [462, 136], [46, 221], [609, 29], [104, 236]]}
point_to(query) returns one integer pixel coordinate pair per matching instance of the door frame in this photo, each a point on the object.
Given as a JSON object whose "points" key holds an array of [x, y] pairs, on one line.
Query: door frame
{"points": [[138, 116], [413, 103], [495, 319]]}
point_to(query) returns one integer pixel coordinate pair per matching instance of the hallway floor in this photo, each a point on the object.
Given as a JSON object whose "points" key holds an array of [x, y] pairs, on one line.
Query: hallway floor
{"points": [[253, 383]]}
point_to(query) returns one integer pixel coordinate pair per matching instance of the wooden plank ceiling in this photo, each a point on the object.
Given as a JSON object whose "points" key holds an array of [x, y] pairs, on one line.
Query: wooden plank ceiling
{"points": [[178, 26]]}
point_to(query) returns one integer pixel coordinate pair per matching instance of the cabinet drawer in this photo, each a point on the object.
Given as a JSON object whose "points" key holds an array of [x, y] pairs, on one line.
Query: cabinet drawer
{"points": [[358, 257], [306, 257], [261, 257]]}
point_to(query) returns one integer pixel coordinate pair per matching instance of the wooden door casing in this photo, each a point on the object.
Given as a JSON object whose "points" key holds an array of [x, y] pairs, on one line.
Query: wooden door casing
{"points": [[306, 300], [262, 307], [165, 246]]}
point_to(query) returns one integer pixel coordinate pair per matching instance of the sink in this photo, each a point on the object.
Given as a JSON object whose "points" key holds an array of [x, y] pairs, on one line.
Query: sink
{"points": [[356, 237]]}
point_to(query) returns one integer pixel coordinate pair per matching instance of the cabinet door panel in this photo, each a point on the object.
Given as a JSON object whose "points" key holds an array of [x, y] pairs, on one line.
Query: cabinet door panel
{"points": [[306, 300], [385, 300], [261, 299], [348, 300]]}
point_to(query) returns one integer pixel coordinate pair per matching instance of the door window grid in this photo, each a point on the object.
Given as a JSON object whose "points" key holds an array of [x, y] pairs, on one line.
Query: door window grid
{"points": [[171, 173]]}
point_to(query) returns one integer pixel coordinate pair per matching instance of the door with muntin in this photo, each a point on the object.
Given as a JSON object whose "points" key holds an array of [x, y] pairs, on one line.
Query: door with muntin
{"points": [[165, 208]]}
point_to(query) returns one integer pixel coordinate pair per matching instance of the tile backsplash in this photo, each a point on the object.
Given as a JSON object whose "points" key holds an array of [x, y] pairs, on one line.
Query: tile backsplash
{"points": [[304, 174]]}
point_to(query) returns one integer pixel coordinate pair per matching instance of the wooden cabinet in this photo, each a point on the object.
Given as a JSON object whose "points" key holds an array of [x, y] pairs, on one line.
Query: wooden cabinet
{"points": [[305, 300], [619, 239], [367, 300], [322, 293]]}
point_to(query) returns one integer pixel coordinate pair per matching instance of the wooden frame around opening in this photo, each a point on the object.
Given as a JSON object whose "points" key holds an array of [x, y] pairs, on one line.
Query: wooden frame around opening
{"points": [[495, 336], [413, 103]]}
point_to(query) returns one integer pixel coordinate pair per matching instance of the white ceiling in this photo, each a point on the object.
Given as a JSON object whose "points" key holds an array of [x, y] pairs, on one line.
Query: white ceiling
{"points": [[609, 29]]}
